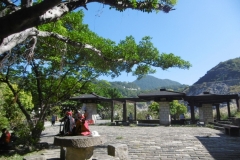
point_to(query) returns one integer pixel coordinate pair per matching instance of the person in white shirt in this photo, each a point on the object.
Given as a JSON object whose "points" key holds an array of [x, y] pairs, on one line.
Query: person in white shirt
{"points": [[182, 118]]}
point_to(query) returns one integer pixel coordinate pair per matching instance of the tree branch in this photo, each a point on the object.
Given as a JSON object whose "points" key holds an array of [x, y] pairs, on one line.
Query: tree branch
{"points": [[51, 10]]}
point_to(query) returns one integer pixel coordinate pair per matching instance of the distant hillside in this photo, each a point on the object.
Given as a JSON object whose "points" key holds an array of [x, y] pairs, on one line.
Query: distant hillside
{"points": [[151, 83], [226, 72], [148, 83], [224, 78], [127, 89]]}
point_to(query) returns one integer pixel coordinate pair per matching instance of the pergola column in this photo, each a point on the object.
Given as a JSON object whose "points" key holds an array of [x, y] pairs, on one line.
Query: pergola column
{"points": [[218, 111], [228, 108], [192, 113], [135, 111], [112, 111], [164, 113], [125, 111], [237, 102], [206, 113]]}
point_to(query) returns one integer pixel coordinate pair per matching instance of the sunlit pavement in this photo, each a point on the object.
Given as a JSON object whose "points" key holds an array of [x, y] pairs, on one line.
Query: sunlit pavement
{"points": [[155, 143]]}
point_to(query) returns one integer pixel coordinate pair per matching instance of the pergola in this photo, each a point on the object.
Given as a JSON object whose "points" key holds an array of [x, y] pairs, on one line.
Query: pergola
{"points": [[91, 100], [208, 99], [94, 99], [163, 97], [203, 101], [124, 101]]}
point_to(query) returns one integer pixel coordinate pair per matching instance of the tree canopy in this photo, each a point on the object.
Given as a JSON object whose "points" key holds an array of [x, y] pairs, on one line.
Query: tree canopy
{"points": [[45, 49], [20, 19]]}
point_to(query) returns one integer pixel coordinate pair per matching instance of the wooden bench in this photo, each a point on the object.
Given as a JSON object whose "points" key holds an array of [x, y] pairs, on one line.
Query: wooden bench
{"points": [[231, 130], [78, 147], [119, 122]]}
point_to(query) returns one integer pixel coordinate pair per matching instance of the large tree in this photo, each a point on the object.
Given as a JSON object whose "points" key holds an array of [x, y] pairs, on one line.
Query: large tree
{"points": [[60, 54], [20, 19]]}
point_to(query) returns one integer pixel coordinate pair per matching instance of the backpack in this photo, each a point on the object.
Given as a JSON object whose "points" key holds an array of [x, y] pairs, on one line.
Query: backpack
{"points": [[68, 125]]}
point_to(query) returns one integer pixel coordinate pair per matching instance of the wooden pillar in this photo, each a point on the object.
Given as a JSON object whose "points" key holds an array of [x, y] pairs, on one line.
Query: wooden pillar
{"points": [[192, 113], [228, 107], [218, 112], [135, 111], [125, 111], [237, 102], [112, 111]]}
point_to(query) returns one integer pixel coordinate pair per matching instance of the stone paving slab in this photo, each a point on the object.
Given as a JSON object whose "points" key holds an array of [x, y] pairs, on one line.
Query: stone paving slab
{"points": [[161, 143]]}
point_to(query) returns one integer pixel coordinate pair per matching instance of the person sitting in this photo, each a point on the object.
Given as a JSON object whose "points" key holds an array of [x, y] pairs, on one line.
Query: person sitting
{"points": [[182, 118], [53, 120], [82, 127], [69, 124], [5, 139]]}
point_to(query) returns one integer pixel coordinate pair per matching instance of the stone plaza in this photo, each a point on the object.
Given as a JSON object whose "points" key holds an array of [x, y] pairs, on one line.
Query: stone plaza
{"points": [[159, 142]]}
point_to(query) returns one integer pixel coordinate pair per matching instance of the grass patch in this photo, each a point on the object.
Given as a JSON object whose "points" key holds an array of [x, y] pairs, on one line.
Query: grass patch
{"points": [[132, 125], [15, 156], [210, 126], [120, 137], [237, 115]]}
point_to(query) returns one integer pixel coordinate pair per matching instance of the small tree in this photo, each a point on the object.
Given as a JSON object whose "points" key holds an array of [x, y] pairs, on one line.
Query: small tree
{"points": [[177, 108], [153, 108]]}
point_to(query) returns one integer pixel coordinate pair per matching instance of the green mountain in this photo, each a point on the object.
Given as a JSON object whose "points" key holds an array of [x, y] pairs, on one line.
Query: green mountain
{"points": [[146, 84], [224, 78], [226, 72], [152, 83]]}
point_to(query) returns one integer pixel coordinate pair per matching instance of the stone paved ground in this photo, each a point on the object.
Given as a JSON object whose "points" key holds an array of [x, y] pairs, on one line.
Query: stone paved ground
{"points": [[161, 143]]}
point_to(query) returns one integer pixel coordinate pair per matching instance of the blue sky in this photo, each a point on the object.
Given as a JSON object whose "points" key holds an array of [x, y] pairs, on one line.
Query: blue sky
{"points": [[203, 32]]}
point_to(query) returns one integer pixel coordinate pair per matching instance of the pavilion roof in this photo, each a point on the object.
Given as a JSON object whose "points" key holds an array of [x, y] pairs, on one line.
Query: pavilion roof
{"points": [[207, 97], [89, 98], [162, 95]]}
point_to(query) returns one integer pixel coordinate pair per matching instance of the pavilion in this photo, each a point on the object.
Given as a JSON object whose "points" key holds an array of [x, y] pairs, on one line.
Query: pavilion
{"points": [[163, 97], [90, 102], [205, 102]]}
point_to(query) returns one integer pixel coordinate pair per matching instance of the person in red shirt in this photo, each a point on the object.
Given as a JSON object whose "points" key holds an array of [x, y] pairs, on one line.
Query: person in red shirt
{"points": [[5, 138], [82, 127]]}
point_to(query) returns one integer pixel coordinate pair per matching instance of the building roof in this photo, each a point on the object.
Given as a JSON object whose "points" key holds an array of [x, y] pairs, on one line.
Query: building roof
{"points": [[88, 98], [162, 95], [207, 97]]}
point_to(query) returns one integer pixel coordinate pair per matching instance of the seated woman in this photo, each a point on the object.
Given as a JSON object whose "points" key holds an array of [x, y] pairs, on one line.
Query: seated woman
{"points": [[5, 139], [82, 127]]}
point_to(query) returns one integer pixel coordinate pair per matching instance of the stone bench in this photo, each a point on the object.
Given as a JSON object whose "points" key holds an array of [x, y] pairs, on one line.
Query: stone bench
{"points": [[78, 147], [125, 123], [231, 130], [118, 150]]}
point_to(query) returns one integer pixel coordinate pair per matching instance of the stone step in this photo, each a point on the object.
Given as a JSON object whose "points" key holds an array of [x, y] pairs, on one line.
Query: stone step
{"points": [[219, 128]]}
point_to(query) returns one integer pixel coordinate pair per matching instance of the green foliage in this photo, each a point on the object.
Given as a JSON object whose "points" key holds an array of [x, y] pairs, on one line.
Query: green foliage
{"points": [[177, 108], [10, 112], [153, 108], [58, 70]]}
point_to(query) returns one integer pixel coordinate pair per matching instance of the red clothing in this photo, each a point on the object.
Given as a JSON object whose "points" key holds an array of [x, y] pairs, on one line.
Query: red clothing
{"points": [[8, 137], [82, 128]]}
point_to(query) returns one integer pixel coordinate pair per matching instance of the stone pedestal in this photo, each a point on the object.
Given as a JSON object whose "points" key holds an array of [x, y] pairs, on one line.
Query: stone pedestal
{"points": [[79, 147], [206, 113], [164, 113], [118, 150], [79, 153]]}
